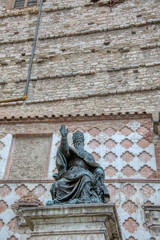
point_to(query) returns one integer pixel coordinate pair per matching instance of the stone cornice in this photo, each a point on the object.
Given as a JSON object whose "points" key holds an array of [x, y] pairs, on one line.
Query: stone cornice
{"points": [[109, 181], [71, 118]]}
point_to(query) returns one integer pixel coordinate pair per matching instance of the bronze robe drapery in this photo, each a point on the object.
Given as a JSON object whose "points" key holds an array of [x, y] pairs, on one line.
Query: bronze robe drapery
{"points": [[79, 179]]}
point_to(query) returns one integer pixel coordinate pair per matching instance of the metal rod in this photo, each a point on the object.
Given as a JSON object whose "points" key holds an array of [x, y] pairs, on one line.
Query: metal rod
{"points": [[13, 99], [33, 49], [31, 61]]}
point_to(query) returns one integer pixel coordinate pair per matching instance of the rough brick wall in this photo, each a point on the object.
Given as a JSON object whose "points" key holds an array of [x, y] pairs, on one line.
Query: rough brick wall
{"points": [[83, 51], [89, 59]]}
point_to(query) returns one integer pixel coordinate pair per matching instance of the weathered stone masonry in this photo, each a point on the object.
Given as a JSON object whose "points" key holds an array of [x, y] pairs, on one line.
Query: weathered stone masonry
{"points": [[95, 69], [83, 49]]}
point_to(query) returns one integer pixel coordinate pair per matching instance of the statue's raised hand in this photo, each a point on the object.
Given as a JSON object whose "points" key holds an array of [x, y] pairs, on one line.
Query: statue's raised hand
{"points": [[64, 131]]}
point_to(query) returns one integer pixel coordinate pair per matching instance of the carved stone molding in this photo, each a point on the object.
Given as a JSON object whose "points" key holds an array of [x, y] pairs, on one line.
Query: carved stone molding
{"points": [[77, 117], [72, 222], [109, 3], [152, 216]]}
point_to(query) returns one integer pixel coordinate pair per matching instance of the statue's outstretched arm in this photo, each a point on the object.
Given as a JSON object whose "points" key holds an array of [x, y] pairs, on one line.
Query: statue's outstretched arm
{"points": [[64, 147]]}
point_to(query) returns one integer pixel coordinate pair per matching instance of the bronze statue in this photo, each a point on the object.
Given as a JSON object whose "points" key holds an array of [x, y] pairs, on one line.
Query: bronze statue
{"points": [[80, 179]]}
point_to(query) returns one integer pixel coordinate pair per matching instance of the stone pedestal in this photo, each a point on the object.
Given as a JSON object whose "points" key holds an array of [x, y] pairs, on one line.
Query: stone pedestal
{"points": [[73, 222]]}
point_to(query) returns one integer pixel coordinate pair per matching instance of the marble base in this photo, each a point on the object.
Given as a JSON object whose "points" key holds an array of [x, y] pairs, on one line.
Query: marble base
{"points": [[73, 222]]}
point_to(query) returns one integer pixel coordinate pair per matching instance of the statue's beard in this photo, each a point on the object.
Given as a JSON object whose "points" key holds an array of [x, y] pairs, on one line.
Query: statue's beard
{"points": [[79, 148]]}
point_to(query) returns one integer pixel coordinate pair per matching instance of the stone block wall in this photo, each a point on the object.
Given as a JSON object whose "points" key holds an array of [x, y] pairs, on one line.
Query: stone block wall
{"points": [[84, 51], [91, 65]]}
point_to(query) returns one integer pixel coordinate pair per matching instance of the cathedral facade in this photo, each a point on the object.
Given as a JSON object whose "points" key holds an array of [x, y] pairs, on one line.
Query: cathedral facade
{"points": [[95, 67]]}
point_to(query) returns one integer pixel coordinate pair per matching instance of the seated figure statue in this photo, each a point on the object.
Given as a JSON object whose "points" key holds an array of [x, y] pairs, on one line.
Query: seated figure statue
{"points": [[80, 179]]}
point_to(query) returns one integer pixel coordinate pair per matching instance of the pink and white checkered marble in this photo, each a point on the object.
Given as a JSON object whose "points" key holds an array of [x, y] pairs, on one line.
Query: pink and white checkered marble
{"points": [[129, 199], [126, 152], [125, 149]]}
